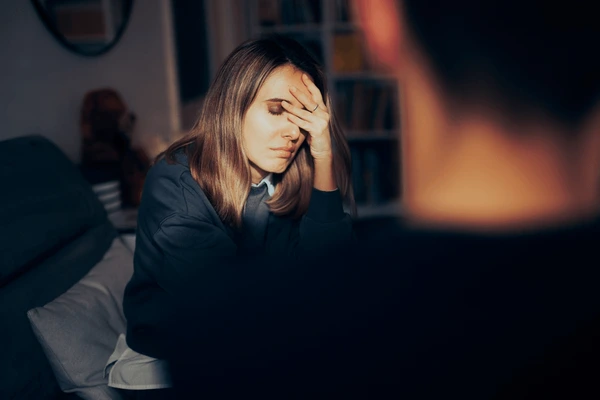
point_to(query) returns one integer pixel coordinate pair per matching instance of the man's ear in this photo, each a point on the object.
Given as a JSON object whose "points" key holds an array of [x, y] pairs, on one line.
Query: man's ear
{"points": [[384, 33]]}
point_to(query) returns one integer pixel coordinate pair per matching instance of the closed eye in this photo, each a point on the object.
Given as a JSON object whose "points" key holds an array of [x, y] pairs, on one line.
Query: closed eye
{"points": [[276, 109]]}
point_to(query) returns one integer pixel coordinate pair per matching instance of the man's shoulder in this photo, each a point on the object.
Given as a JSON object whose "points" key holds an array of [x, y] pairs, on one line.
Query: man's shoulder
{"points": [[409, 311], [392, 249]]}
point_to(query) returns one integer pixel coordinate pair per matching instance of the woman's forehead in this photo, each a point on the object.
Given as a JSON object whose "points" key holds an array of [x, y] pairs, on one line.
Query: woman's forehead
{"points": [[278, 83]]}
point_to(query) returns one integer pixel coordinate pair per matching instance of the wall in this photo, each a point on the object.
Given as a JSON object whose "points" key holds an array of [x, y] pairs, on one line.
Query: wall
{"points": [[43, 84], [227, 28]]}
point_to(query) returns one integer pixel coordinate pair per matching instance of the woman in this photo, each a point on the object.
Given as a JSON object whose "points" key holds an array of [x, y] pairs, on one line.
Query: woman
{"points": [[264, 172]]}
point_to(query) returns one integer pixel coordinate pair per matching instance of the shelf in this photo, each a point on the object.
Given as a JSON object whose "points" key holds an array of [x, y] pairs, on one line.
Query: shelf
{"points": [[298, 28], [344, 26], [371, 135], [361, 75], [389, 208]]}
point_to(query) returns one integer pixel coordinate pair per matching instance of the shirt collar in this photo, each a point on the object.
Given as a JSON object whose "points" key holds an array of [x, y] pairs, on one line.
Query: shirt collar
{"points": [[267, 180]]}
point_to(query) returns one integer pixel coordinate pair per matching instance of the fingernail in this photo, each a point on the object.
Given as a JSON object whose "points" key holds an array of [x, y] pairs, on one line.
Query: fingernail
{"points": [[293, 88]]}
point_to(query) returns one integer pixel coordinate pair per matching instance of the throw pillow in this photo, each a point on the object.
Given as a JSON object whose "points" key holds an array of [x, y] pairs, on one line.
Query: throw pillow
{"points": [[79, 329]]}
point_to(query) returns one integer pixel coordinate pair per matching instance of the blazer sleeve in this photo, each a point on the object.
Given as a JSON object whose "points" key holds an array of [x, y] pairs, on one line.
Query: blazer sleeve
{"points": [[324, 230]]}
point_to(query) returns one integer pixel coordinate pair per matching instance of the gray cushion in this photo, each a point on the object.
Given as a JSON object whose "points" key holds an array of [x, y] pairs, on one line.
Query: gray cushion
{"points": [[26, 373], [79, 329]]}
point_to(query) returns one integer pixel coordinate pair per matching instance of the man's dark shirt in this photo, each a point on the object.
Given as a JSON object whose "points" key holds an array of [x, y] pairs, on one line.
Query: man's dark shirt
{"points": [[416, 313]]}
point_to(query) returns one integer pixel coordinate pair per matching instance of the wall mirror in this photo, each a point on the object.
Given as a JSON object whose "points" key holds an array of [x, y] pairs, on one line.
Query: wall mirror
{"points": [[86, 27]]}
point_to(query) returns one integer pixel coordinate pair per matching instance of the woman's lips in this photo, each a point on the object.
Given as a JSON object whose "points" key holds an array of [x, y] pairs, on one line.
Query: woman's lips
{"points": [[284, 152]]}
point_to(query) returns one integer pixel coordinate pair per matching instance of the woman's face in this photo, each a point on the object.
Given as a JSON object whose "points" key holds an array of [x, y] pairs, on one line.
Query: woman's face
{"points": [[270, 140]]}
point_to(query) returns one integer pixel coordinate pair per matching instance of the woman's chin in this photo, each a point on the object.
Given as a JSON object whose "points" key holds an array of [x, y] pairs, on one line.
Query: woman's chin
{"points": [[277, 167]]}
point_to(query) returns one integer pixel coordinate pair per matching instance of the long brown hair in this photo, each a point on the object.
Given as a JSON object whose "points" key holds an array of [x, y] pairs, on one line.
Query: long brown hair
{"points": [[214, 145]]}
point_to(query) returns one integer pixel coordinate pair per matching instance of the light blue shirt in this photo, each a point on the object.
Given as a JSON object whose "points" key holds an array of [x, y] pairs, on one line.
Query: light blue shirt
{"points": [[267, 180]]}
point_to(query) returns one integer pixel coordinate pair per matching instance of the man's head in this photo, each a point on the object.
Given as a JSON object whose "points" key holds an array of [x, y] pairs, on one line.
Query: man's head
{"points": [[491, 82], [536, 55]]}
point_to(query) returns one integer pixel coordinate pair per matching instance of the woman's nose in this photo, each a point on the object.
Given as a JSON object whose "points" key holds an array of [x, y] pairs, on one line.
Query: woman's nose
{"points": [[291, 132]]}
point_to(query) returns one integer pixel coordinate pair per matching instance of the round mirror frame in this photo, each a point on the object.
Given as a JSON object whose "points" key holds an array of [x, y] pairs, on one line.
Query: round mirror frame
{"points": [[48, 23]]}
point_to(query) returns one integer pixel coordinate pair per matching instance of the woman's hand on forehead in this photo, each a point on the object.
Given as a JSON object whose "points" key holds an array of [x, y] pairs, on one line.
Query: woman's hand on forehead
{"points": [[312, 117]]}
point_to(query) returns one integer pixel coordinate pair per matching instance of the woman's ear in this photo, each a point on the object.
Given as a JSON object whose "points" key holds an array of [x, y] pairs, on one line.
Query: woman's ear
{"points": [[384, 33]]}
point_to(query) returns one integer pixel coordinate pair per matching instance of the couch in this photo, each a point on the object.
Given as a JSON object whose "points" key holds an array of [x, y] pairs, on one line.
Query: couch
{"points": [[62, 272], [63, 269]]}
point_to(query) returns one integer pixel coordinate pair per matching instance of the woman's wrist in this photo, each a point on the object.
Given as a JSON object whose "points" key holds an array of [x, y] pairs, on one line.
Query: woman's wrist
{"points": [[324, 178]]}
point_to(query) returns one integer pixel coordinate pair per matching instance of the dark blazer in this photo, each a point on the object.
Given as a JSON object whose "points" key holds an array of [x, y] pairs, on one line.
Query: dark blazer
{"points": [[180, 232]]}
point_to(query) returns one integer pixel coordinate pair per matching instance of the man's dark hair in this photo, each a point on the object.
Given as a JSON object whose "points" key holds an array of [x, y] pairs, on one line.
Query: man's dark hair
{"points": [[522, 55]]}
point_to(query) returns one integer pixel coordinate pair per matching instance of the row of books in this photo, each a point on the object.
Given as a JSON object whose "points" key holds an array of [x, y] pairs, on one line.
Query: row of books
{"points": [[372, 178], [365, 105], [348, 50], [288, 12], [282, 12], [311, 42]]}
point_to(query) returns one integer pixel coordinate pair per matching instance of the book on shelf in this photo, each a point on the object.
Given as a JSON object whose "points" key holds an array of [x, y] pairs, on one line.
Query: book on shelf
{"points": [[342, 102], [288, 12], [268, 12], [392, 115], [357, 103], [366, 175], [311, 11], [349, 91], [309, 40], [373, 172], [339, 109], [358, 182], [311, 43], [295, 12], [384, 110], [348, 52], [362, 111], [365, 106], [342, 11]]}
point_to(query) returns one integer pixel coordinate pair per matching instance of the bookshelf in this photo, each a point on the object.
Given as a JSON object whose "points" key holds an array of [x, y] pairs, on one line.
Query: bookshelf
{"points": [[365, 101]]}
